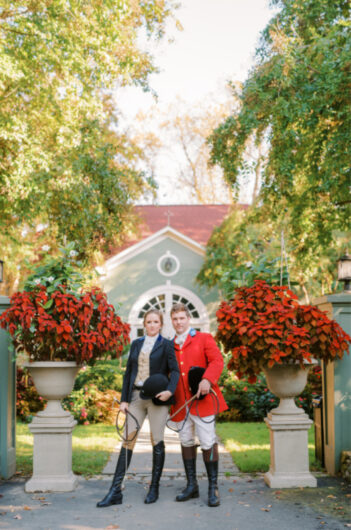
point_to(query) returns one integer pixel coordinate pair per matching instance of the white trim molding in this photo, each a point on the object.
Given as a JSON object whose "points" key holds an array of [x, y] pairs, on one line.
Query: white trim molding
{"points": [[145, 244], [166, 294]]}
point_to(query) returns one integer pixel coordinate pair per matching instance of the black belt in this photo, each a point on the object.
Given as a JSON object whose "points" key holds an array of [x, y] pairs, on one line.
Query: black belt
{"points": [[135, 387]]}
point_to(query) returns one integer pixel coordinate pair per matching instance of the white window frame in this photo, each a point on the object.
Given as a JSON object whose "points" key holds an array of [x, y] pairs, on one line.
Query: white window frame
{"points": [[202, 323]]}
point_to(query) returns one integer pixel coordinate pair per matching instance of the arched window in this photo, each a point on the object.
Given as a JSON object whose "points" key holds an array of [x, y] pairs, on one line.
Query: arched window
{"points": [[163, 298]]}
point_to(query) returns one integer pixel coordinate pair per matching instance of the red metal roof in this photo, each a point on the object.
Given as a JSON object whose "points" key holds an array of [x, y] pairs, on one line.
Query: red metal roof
{"points": [[196, 221]]}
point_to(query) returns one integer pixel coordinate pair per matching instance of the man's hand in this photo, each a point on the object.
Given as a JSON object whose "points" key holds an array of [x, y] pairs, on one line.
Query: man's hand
{"points": [[164, 395], [204, 388], [123, 406]]}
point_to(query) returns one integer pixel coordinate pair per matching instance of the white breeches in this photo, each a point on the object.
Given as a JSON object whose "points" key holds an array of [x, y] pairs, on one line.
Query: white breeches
{"points": [[205, 432]]}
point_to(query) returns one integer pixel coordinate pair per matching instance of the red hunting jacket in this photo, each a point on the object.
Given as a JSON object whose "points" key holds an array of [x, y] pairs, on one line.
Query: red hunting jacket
{"points": [[198, 350]]}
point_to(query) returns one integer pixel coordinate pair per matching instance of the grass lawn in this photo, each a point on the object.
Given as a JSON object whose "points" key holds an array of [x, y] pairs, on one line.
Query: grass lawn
{"points": [[92, 445], [248, 443]]}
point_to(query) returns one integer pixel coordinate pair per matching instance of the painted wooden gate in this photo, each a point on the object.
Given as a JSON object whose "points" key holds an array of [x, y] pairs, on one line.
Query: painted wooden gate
{"points": [[337, 387], [7, 402]]}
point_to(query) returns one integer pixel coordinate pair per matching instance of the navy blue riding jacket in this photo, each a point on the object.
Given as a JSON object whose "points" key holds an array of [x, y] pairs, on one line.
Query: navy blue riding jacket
{"points": [[162, 361]]}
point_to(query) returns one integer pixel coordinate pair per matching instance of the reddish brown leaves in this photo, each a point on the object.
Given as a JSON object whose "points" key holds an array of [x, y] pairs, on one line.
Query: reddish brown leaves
{"points": [[264, 325], [77, 327]]}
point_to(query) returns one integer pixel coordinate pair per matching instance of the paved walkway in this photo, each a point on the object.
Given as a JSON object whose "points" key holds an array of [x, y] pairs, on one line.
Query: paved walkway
{"points": [[246, 502]]}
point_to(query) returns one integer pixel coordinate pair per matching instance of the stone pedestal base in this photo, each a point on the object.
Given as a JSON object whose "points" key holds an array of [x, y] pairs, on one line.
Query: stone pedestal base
{"points": [[52, 455], [290, 480], [52, 484], [289, 451]]}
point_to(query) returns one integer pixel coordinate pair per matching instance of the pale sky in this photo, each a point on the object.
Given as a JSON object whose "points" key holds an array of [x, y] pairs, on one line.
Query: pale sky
{"points": [[217, 44]]}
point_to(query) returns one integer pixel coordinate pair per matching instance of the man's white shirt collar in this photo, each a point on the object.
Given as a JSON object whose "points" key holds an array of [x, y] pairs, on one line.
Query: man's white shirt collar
{"points": [[180, 339]]}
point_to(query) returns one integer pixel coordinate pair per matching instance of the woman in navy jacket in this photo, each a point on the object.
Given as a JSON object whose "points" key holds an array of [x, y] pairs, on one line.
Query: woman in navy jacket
{"points": [[149, 355]]}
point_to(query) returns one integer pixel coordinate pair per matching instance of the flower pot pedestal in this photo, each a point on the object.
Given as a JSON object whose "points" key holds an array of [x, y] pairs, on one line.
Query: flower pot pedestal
{"points": [[289, 452], [52, 429], [288, 427]]}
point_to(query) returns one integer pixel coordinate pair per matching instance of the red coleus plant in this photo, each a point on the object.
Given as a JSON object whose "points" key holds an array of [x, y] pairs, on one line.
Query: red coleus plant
{"points": [[65, 326], [263, 325]]}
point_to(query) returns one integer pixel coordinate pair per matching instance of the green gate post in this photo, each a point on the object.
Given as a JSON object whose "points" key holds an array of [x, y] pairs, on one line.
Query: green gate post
{"points": [[7, 402], [337, 387]]}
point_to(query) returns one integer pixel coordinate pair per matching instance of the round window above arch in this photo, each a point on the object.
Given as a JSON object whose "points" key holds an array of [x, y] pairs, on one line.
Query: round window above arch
{"points": [[168, 264], [163, 298]]}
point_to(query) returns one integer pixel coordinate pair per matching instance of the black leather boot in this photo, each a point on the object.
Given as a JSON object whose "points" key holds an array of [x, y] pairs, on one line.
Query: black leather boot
{"points": [[191, 490], [211, 463], [158, 459], [114, 496], [212, 473]]}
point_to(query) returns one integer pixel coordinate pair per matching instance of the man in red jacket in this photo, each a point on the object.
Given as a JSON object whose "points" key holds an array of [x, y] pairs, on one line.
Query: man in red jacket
{"points": [[193, 348]]}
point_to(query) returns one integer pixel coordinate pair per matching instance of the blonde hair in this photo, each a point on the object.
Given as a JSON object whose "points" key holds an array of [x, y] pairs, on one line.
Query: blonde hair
{"points": [[156, 312]]}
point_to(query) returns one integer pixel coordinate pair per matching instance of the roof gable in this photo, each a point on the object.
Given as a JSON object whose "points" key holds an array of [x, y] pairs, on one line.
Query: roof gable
{"points": [[190, 224], [196, 221], [149, 242]]}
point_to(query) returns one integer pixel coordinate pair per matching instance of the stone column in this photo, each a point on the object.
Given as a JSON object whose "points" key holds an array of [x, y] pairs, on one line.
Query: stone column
{"points": [[52, 453], [289, 451]]}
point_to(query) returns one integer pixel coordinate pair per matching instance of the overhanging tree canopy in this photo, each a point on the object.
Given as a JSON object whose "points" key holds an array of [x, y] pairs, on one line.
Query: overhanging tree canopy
{"points": [[296, 101], [297, 98], [61, 164]]}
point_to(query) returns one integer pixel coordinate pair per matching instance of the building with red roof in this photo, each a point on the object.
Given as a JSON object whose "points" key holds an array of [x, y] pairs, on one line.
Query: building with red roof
{"points": [[158, 267]]}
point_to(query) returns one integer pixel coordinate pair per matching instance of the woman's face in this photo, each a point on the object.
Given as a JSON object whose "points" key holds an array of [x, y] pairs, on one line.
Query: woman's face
{"points": [[152, 324]]}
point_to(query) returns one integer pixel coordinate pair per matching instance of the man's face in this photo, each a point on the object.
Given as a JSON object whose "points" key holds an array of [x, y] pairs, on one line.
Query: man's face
{"points": [[180, 321]]}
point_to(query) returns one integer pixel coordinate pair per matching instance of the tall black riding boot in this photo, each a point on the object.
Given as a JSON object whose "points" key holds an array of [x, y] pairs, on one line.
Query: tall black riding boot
{"points": [[211, 463], [158, 459], [114, 496], [191, 490]]}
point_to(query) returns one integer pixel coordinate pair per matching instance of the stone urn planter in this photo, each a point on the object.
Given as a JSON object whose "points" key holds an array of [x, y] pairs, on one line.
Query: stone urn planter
{"points": [[59, 325], [286, 381], [52, 428], [265, 327], [288, 425]]}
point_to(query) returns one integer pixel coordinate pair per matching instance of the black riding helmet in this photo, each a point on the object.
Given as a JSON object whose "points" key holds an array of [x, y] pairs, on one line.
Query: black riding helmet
{"points": [[152, 386], [194, 379]]}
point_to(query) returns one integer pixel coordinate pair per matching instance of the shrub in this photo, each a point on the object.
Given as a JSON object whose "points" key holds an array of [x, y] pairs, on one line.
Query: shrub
{"points": [[104, 375], [312, 390], [95, 390], [28, 401], [90, 405]]}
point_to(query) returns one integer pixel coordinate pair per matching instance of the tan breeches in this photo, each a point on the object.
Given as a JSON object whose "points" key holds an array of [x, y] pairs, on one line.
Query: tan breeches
{"points": [[140, 408]]}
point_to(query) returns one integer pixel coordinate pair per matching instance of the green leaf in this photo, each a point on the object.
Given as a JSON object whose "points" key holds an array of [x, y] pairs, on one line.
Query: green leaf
{"points": [[48, 303]]}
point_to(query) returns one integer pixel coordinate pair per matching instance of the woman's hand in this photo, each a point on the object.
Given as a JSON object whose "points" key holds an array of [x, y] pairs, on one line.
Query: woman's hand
{"points": [[123, 406], [164, 395]]}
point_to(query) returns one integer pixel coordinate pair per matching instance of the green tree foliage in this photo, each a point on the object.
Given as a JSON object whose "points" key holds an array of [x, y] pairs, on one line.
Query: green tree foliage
{"points": [[296, 101], [248, 245], [237, 252], [64, 165]]}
